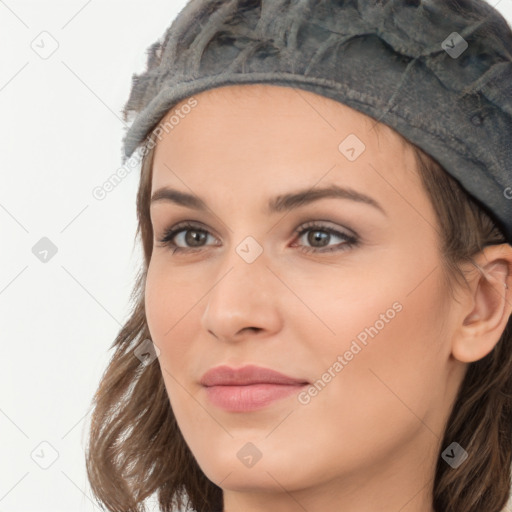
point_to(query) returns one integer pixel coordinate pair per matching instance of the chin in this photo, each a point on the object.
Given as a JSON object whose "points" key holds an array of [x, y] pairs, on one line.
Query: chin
{"points": [[270, 473]]}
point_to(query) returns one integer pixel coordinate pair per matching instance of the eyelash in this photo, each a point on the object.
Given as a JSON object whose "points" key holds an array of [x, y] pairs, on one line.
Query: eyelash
{"points": [[350, 240]]}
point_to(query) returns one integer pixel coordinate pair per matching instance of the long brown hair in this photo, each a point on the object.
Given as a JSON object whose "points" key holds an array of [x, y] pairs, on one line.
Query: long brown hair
{"points": [[136, 450]]}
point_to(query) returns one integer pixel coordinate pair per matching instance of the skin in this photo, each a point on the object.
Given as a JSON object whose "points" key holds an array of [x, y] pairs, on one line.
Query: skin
{"points": [[371, 438]]}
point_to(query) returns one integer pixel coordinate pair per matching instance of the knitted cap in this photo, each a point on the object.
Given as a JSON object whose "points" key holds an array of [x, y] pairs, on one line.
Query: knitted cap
{"points": [[439, 72]]}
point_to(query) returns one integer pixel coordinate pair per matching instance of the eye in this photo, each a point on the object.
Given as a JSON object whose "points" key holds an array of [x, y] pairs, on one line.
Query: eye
{"points": [[327, 233], [195, 239], [319, 237]]}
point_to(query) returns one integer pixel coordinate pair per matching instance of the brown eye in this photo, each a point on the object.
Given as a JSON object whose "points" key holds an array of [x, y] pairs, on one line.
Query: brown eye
{"points": [[320, 235], [194, 237]]}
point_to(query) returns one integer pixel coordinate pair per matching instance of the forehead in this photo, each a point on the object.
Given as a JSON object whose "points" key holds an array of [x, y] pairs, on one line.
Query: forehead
{"points": [[245, 95], [261, 134], [272, 101]]}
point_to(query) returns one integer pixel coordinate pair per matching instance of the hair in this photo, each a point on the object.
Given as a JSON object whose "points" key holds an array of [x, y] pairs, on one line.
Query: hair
{"points": [[136, 450]]}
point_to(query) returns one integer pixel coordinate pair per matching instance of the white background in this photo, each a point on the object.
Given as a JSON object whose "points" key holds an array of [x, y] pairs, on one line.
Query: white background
{"points": [[60, 133]]}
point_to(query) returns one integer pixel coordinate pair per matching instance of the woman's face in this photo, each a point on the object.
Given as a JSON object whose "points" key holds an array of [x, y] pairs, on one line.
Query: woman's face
{"points": [[342, 290]]}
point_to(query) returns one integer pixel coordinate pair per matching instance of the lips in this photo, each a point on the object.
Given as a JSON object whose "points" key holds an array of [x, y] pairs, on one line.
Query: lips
{"points": [[247, 375], [248, 388]]}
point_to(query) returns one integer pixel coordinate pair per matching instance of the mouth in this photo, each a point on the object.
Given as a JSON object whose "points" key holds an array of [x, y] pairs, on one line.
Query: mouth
{"points": [[248, 388], [250, 397]]}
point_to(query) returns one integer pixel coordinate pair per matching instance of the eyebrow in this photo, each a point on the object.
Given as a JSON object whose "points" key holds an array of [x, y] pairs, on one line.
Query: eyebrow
{"points": [[284, 202]]}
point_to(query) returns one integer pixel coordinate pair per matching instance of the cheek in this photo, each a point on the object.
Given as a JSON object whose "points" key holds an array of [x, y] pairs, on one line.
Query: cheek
{"points": [[389, 337], [398, 368], [168, 302], [165, 305], [391, 385], [173, 308], [156, 302]]}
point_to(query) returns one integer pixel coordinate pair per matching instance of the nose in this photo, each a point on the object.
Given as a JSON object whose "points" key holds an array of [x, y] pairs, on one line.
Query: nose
{"points": [[246, 297]]}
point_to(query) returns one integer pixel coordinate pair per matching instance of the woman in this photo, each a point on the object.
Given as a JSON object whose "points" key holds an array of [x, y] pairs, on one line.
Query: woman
{"points": [[324, 304]]}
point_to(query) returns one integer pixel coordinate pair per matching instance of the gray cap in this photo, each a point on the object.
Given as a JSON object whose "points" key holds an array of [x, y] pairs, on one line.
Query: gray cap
{"points": [[439, 72]]}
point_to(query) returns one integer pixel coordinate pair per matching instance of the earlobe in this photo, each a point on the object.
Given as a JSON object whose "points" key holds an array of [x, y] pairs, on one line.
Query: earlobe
{"points": [[490, 305]]}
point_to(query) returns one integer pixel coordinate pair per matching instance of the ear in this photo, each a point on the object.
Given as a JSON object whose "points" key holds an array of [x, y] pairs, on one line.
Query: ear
{"points": [[487, 304]]}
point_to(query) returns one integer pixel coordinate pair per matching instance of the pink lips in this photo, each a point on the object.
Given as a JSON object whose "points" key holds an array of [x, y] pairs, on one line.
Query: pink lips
{"points": [[247, 388]]}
